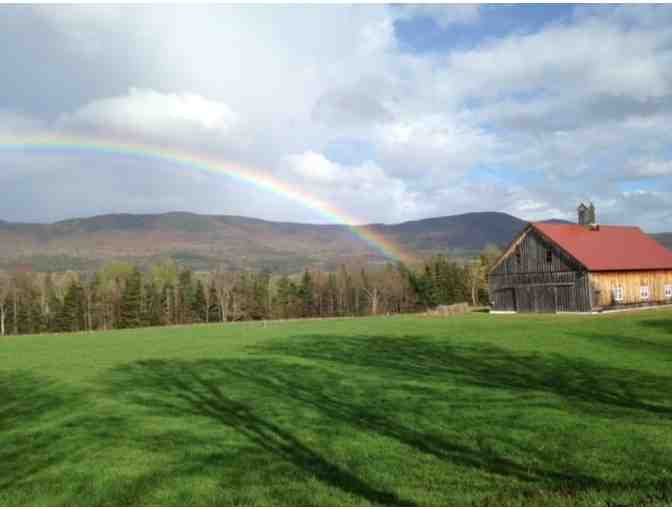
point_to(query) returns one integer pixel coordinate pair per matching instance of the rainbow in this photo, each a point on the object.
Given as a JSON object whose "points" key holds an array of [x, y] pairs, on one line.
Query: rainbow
{"points": [[192, 161]]}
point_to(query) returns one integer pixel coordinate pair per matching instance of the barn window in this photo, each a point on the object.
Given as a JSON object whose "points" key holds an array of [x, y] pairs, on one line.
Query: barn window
{"points": [[518, 256], [618, 294], [549, 256], [644, 292], [668, 291]]}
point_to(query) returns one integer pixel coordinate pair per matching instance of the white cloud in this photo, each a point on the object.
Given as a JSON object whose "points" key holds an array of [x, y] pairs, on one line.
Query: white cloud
{"points": [[589, 58], [434, 148], [364, 188], [443, 15], [642, 169], [153, 113], [313, 166]]}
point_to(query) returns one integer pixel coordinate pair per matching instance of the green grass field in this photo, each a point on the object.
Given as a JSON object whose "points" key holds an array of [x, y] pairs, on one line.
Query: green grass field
{"points": [[479, 409]]}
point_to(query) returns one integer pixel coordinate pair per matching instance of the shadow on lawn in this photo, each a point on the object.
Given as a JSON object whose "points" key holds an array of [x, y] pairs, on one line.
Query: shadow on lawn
{"points": [[322, 386], [594, 388], [47, 429], [409, 368], [196, 389], [663, 324], [637, 344], [28, 447]]}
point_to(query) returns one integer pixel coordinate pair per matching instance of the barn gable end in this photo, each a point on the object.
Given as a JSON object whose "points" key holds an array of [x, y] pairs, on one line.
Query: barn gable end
{"points": [[555, 267], [536, 275]]}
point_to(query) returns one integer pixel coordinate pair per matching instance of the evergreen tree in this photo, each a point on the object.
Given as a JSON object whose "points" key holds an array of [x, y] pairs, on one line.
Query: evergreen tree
{"points": [[422, 286], [23, 322], [332, 295], [186, 297], [55, 311], [282, 297], [11, 324], [131, 301], [151, 309], [168, 305], [261, 295], [71, 316], [307, 294], [199, 308], [214, 312]]}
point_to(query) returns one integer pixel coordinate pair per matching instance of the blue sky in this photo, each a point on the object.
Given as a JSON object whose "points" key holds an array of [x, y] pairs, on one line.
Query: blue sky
{"points": [[389, 112], [423, 33]]}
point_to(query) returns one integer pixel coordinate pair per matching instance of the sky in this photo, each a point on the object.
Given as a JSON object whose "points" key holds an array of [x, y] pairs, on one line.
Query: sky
{"points": [[387, 112]]}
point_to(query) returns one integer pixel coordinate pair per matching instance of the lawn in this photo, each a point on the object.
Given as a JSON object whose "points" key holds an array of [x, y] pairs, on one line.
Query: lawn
{"points": [[472, 410]]}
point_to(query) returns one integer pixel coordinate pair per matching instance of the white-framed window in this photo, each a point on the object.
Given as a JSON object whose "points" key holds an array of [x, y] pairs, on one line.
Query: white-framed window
{"points": [[618, 294], [644, 292], [668, 291]]}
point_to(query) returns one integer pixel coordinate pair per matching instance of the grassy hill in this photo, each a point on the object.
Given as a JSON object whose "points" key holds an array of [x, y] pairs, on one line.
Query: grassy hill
{"points": [[470, 410]]}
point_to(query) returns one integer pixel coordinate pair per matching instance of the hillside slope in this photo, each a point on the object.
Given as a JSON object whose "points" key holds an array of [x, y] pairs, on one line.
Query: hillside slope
{"points": [[664, 238], [235, 242]]}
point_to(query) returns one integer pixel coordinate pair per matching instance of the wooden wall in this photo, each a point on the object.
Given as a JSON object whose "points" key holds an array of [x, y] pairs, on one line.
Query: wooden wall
{"points": [[602, 284], [530, 283], [533, 257]]}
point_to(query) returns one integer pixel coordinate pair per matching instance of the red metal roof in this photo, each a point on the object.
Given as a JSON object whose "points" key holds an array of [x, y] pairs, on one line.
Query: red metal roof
{"points": [[611, 248]]}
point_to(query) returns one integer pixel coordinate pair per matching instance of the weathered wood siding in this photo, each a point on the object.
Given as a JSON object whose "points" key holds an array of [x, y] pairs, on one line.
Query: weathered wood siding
{"points": [[603, 284], [533, 257], [526, 281]]}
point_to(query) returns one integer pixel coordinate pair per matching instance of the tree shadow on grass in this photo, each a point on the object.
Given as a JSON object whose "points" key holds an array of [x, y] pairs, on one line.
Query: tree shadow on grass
{"points": [[366, 408], [582, 383], [47, 430], [662, 324], [281, 385], [186, 389], [30, 444], [637, 344]]}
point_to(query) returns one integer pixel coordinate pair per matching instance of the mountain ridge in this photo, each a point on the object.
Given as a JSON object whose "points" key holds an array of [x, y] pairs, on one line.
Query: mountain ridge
{"points": [[205, 241]]}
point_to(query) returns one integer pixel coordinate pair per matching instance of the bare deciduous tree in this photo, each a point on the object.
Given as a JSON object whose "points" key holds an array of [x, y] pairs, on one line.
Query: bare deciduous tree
{"points": [[5, 290], [224, 283]]}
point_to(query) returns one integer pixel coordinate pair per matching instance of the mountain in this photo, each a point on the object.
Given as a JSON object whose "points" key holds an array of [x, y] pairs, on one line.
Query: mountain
{"points": [[236, 242], [459, 233], [664, 238]]}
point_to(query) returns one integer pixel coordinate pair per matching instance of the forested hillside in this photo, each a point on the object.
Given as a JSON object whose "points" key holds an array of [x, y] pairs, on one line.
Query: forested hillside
{"points": [[207, 242]]}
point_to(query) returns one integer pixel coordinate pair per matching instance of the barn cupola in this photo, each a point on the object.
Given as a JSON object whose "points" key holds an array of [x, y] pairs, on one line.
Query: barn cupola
{"points": [[586, 216]]}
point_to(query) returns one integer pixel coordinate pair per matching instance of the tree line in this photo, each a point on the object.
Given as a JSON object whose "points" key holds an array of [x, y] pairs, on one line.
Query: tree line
{"points": [[121, 296]]}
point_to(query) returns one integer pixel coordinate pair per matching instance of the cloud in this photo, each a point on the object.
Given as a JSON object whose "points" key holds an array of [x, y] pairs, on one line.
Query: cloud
{"points": [[593, 57], [576, 109], [432, 149], [642, 169], [364, 188], [351, 107], [443, 15], [151, 113]]}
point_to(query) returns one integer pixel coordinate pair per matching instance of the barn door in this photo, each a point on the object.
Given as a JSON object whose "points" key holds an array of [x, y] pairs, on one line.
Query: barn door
{"points": [[537, 298], [524, 299], [547, 300], [505, 299], [543, 299]]}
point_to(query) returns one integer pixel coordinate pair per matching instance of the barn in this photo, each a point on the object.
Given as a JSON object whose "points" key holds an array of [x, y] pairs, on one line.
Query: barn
{"points": [[584, 267]]}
